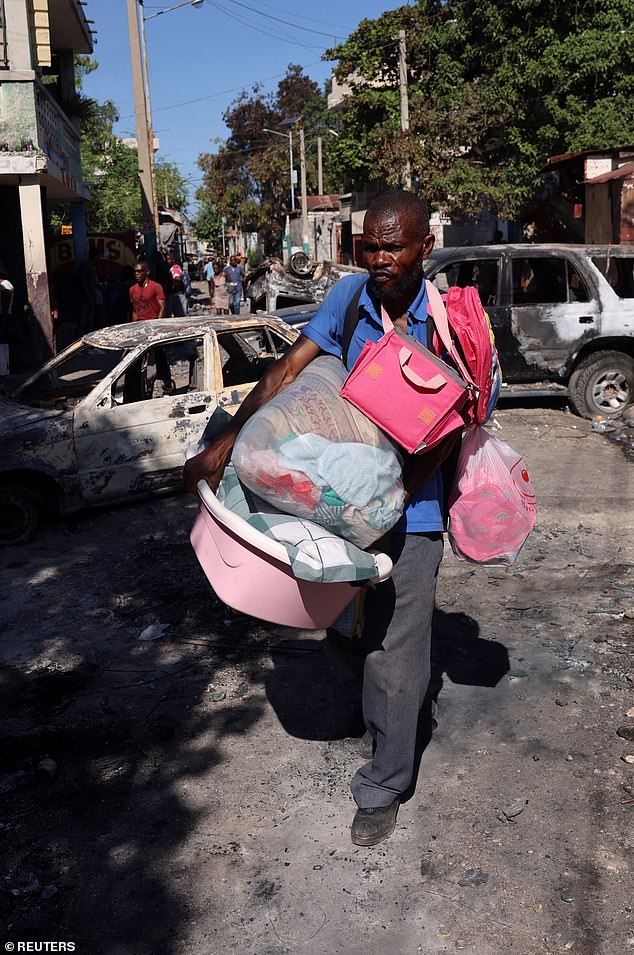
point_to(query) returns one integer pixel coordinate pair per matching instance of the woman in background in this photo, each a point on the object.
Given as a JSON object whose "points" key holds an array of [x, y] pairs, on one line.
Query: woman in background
{"points": [[219, 293]]}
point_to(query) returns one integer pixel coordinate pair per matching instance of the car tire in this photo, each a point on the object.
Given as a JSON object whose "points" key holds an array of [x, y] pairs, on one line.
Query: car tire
{"points": [[19, 514], [300, 265], [602, 384]]}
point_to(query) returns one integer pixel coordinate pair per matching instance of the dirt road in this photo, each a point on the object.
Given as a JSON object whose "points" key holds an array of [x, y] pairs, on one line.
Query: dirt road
{"points": [[197, 800]]}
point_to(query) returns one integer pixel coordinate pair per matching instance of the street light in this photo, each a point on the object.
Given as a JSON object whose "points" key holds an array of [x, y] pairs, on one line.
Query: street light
{"points": [[143, 112], [289, 136]]}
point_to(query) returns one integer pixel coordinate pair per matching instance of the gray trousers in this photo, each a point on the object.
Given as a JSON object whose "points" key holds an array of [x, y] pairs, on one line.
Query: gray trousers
{"points": [[397, 668]]}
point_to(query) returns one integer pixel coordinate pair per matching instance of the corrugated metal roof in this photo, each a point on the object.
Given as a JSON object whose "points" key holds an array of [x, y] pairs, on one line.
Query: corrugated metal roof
{"points": [[623, 172]]}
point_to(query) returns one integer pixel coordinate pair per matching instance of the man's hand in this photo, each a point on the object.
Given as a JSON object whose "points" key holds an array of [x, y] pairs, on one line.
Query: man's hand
{"points": [[210, 464]]}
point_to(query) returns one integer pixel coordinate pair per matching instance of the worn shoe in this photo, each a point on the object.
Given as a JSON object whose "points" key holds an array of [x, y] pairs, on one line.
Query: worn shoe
{"points": [[371, 826]]}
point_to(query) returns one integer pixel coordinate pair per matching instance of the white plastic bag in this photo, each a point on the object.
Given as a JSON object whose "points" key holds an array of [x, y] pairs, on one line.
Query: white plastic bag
{"points": [[309, 453], [492, 506]]}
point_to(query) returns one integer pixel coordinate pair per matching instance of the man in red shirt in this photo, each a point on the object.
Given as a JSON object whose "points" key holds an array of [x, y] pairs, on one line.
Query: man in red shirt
{"points": [[147, 297]]}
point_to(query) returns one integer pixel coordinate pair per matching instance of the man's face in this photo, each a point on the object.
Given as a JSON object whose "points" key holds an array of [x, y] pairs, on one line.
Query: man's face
{"points": [[232, 260], [393, 254], [140, 273], [170, 259]]}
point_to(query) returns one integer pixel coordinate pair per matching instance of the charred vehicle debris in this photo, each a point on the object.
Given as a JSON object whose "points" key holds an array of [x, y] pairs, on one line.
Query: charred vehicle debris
{"points": [[113, 414], [563, 317], [273, 286]]}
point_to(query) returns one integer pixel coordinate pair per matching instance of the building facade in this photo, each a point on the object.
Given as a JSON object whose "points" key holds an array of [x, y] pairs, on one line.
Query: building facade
{"points": [[40, 163]]}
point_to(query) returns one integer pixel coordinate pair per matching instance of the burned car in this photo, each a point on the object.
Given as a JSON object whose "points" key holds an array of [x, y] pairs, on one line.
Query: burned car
{"points": [[563, 317], [112, 415], [273, 285]]}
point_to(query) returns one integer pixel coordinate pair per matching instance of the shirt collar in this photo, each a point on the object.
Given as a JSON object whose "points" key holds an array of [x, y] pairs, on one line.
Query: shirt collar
{"points": [[417, 310]]}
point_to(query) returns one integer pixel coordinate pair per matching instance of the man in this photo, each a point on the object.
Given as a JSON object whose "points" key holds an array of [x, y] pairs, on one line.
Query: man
{"points": [[177, 299], [147, 297], [209, 276], [397, 637], [235, 273]]}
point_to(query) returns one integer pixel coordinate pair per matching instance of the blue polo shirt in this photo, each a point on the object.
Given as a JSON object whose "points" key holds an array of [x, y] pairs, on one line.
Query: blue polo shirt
{"points": [[424, 509]]}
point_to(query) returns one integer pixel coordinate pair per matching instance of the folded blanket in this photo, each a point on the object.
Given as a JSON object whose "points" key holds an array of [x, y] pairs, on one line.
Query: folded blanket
{"points": [[356, 473], [314, 553]]}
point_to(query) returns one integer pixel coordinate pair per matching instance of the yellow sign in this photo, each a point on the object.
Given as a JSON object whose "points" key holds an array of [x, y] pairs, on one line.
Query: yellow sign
{"points": [[67, 230]]}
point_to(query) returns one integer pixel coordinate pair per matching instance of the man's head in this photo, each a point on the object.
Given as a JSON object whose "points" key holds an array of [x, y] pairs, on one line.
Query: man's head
{"points": [[233, 261], [171, 259], [141, 272], [396, 242]]}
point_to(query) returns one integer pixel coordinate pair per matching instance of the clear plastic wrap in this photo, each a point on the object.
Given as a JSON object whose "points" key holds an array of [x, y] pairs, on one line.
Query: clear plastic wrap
{"points": [[310, 453], [492, 507]]}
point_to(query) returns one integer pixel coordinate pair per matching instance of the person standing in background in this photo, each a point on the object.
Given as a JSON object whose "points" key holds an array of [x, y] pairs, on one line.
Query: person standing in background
{"points": [[147, 297], [218, 290], [235, 274], [177, 299], [208, 274]]}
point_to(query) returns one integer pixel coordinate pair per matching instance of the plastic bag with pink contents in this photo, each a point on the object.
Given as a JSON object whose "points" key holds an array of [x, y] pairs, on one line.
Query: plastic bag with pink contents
{"points": [[492, 506]]}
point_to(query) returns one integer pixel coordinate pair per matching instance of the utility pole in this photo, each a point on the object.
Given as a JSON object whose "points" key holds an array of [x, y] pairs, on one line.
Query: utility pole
{"points": [[143, 132], [320, 171], [302, 160], [290, 153], [402, 69]]}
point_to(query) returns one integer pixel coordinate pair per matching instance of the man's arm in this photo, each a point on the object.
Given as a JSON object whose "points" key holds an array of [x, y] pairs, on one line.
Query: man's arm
{"points": [[210, 463], [161, 303]]}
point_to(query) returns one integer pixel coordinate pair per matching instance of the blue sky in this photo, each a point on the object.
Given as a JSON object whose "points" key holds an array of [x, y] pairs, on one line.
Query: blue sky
{"points": [[200, 59]]}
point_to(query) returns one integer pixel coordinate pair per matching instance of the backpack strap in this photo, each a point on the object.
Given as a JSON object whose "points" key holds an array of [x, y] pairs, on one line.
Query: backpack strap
{"points": [[439, 312], [350, 323]]}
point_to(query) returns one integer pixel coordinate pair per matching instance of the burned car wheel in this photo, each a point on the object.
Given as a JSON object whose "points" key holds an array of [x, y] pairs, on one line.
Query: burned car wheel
{"points": [[19, 514], [301, 265], [602, 384]]}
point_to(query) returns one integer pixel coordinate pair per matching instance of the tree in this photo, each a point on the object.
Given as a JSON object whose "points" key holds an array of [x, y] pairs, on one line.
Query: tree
{"points": [[171, 188], [247, 178], [208, 222], [495, 86], [110, 167]]}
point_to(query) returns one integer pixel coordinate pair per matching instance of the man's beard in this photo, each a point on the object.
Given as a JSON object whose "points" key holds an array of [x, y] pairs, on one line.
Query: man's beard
{"points": [[405, 288]]}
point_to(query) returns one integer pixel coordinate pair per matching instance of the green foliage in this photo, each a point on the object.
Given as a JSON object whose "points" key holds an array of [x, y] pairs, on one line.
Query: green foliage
{"points": [[171, 188], [208, 222], [83, 66], [111, 169], [115, 204], [495, 88], [248, 176]]}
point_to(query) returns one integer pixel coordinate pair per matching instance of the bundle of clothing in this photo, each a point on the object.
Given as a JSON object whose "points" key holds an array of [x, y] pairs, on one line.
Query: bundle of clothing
{"points": [[310, 453]]}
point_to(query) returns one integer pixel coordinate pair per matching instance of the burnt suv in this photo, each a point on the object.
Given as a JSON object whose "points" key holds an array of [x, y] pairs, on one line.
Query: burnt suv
{"points": [[563, 317]]}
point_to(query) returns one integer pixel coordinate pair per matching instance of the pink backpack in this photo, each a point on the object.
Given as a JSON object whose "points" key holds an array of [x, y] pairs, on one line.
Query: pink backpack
{"points": [[471, 331]]}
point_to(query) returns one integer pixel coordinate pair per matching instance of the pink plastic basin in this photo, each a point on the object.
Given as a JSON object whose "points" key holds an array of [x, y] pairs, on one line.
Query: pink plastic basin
{"points": [[252, 573]]}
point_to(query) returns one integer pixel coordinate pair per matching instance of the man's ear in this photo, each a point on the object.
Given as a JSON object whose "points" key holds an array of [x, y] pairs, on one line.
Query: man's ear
{"points": [[428, 245]]}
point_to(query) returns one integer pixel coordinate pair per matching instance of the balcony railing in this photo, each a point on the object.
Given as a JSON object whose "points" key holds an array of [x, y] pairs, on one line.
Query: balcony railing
{"points": [[57, 137]]}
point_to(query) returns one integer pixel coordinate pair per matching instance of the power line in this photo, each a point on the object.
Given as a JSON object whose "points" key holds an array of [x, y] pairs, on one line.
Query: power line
{"points": [[269, 16], [275, 36]]}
